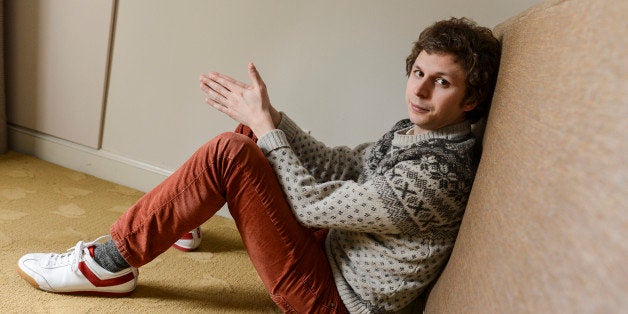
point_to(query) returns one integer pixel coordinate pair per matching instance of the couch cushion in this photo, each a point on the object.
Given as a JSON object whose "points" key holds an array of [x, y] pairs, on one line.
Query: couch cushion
{"points": [[546, 225]]}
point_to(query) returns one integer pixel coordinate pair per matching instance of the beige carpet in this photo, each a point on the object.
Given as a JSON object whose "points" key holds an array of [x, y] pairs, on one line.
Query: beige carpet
{"points": [[47, 208]]}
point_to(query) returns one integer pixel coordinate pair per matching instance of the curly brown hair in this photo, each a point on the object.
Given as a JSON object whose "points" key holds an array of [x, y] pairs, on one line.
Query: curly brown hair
{"points": [[477, 50]]}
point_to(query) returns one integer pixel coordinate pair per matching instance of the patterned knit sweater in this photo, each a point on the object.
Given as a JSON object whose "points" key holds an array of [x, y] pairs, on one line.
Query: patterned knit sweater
{"points": [[393, 207]]}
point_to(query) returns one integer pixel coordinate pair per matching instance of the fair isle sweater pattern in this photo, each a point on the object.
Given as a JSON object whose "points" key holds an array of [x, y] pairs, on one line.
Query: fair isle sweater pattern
{"points": [[393, 207]]}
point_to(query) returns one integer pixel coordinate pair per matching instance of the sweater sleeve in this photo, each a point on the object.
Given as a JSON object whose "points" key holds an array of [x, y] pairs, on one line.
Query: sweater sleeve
{"points": [[322, 162], [380, 204]]}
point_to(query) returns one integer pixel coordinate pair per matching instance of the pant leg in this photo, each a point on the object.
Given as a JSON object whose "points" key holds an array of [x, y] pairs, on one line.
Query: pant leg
{"points": [[289, 258]]}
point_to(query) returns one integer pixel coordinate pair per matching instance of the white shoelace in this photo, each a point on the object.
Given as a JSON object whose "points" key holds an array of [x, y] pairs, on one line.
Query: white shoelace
{"points": [[72, 255]]}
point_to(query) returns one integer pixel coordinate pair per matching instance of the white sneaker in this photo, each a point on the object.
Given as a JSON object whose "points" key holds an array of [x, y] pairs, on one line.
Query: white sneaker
{"points": [[190, 241], [75, 272]]}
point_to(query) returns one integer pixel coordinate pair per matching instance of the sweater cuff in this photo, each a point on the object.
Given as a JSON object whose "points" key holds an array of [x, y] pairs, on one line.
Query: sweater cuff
{"points": [[289, 127], [272, 140]]}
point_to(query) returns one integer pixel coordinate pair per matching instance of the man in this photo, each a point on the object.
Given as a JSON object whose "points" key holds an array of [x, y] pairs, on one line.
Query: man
{"points": [[327, 229]]}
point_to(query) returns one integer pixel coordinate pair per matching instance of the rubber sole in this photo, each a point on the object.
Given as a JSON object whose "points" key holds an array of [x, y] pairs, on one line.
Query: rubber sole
{"points": [[34, 283]]}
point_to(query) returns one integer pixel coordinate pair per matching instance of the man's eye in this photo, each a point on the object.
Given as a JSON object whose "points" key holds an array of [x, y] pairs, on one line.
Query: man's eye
{"points": [[442, 82], [418, 73]]}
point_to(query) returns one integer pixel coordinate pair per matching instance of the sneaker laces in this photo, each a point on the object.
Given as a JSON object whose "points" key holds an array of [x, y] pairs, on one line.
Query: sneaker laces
{"points": [[73, 255]]}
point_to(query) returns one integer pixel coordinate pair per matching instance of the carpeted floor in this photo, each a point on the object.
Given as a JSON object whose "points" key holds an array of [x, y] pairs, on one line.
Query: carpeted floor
{"points": [[47, 208]]}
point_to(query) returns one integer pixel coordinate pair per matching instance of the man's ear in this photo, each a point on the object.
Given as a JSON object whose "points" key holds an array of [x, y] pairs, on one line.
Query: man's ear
{"points": [[469, 105]]}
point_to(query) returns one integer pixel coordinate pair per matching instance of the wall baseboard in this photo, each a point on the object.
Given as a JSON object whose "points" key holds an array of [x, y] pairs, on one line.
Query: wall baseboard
{"points": [[99, 163]]}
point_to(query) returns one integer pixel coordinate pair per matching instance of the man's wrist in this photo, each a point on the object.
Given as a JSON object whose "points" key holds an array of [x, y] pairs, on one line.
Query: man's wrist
{"points": [[264, 126], [275, 116]]}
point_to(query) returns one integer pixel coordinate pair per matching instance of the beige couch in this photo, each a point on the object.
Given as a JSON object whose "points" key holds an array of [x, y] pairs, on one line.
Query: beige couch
{"points": [[3, 118], [546, 227]]}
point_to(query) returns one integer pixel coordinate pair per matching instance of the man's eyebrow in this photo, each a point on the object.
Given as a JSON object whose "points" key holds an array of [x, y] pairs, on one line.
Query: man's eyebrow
{"points": [[416, 66], [443, 74]]}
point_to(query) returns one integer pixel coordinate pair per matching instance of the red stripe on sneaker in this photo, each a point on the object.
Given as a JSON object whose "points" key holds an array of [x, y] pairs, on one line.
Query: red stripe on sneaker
{"points": [[104, 282], [187, 236], [184, 249]]}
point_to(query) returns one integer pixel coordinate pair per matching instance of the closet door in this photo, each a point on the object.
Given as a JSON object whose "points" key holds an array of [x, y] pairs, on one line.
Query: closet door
{"points": [[57, 61]]}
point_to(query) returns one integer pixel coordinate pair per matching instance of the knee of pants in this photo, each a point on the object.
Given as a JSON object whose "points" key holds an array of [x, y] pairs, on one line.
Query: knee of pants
{"points": [[234, 145]]}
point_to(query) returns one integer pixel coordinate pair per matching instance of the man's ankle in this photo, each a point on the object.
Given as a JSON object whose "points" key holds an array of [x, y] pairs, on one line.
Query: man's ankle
{"points": [[108, 257]]}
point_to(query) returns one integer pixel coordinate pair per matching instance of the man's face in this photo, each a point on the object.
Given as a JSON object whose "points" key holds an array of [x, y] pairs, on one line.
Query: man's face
{"points": [[435, 92]]}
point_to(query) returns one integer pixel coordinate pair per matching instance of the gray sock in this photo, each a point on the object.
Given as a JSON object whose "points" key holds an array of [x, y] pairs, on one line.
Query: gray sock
{"points": [[109, 258]]}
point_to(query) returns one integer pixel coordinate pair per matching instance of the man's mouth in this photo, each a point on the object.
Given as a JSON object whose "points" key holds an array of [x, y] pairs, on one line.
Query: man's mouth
{"points": [[418, 108]]}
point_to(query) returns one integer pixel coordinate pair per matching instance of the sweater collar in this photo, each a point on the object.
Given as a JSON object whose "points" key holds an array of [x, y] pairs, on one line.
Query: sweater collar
{"points": [[450, 132]]}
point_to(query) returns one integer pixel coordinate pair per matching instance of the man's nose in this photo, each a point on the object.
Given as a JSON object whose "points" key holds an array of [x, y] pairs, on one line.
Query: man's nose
{"points": [[422, 89]]}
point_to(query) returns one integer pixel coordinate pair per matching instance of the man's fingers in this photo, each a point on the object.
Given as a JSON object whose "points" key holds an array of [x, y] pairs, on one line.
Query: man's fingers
{"points": [[254, 76], [217, 105], [223, 108], [218, 84], [230, 79], [228, 83], [214, 92], [225, 80]]}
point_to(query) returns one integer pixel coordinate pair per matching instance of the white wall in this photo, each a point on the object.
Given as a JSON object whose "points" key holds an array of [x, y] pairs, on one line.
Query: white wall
{"points": [[56, 63], [337, 67]]}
